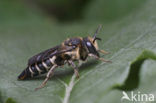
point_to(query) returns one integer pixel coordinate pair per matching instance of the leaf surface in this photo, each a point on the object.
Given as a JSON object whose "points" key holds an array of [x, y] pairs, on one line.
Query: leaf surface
{"points": [[131, 42]]}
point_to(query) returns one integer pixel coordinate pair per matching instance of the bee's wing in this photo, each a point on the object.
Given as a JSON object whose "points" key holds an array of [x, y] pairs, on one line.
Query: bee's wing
{"points": [[39, 57], [48, 53]]}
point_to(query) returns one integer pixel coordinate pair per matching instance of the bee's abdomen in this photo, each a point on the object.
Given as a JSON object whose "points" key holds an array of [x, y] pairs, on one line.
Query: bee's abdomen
{"points": [[37, 69]]}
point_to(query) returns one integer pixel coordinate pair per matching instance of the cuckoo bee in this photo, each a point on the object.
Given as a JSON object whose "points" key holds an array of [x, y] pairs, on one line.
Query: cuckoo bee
{"points": [[72, 49]]}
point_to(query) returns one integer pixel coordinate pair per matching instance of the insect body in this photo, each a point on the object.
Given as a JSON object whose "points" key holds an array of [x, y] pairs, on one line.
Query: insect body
{"points": [[73, 49]]}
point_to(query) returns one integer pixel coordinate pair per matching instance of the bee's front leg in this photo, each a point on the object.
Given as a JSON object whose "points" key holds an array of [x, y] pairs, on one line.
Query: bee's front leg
{"points": [[49, 74], [103, 51], [74, 67], [96, 57]]}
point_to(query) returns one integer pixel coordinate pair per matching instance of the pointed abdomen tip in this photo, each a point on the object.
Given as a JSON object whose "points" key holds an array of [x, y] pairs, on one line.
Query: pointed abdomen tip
{"points": [[22, 76]]}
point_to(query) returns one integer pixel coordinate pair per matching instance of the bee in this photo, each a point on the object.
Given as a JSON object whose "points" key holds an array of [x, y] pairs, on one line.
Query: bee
{"points": [[71, 50]]}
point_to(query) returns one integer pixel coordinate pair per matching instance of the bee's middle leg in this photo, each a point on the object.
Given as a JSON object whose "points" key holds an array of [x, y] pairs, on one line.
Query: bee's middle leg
{"points": [[75, 68], [49, 74]]}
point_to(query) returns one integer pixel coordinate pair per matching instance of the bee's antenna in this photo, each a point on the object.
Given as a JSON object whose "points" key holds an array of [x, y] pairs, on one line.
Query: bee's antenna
{"points": [[97, 30]]}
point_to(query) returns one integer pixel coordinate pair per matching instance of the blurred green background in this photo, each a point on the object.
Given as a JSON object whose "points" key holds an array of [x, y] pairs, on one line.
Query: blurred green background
{"points": [[128, 33], [104, 11]]}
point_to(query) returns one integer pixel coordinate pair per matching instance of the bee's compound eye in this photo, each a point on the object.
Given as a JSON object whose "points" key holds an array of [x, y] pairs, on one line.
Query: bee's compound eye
{"points": [[88, 44], [74, 46]]}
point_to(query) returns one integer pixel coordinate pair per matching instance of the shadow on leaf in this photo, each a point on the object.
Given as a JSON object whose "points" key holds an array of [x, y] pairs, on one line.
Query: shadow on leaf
{"points": [[132, 81]]}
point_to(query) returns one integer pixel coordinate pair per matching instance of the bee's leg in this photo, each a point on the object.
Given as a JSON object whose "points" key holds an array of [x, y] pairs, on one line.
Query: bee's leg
{"points": [[96, 57], [103, 51], [80, 63], [49, 74], [75, 68]]}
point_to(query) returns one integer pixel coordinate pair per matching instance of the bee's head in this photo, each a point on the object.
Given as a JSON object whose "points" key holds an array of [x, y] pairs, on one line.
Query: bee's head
{"points": [[91, 43]]}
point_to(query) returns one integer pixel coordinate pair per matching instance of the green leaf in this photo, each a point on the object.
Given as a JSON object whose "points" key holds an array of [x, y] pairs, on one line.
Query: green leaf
{"points": [[131, 42]]}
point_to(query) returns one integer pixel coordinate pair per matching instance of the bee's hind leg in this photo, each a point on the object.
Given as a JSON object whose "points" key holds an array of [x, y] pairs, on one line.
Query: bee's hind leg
{"points": [[101, 59], [49, 74], [75, 68]]}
